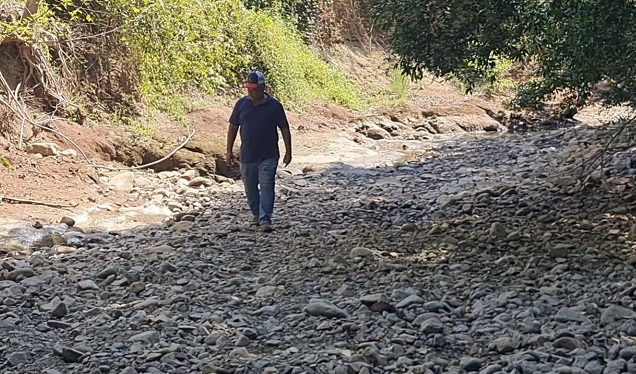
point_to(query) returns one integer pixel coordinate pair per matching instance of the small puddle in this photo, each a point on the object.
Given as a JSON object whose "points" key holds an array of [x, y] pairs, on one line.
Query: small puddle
{"points": [[25, 238]]}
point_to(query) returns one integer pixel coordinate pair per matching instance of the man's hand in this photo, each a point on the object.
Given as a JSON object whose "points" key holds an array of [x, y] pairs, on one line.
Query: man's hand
{"points": [[288, 145], [229, 158], [287, 159]]}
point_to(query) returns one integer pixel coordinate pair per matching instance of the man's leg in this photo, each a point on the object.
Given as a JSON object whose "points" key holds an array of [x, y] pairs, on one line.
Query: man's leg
{"points": [[266, 178], [249, 175]]}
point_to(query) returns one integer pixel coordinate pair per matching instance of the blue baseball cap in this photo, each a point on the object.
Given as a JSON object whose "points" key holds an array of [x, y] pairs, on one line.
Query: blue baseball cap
{"points": [[254, 79]]}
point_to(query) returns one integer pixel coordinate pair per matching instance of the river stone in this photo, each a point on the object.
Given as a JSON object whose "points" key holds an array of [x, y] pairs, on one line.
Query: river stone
{"points": [[325, 309]]}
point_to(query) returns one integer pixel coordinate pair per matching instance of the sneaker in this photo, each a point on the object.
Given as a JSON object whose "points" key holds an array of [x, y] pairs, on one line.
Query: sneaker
{"points": [[266, 227]]}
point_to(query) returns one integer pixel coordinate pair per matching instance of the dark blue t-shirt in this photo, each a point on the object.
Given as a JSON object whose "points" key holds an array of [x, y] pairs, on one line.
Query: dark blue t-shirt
{"points": [[259, 126]]}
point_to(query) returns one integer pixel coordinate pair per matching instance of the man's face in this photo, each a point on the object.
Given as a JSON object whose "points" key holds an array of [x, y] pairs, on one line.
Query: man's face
{"points": [[256, 92]]}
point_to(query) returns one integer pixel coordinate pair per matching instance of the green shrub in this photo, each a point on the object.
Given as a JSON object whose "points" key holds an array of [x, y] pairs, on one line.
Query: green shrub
{"points": [[209, 45], [301, 14], [6, 163], [295, 73], [487, 80], [182, 45]]}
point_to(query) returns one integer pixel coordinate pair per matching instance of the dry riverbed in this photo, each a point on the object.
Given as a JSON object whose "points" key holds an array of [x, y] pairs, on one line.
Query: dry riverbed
{"points": [[476, 253]]}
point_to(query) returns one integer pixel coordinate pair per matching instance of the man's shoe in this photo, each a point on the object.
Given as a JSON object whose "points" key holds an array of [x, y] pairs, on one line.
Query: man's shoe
{"points": [[255, 222], [266, 227]]}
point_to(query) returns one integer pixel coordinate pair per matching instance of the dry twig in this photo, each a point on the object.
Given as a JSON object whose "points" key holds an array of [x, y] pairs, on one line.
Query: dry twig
{"points": [[600, 157], [15, 200]]}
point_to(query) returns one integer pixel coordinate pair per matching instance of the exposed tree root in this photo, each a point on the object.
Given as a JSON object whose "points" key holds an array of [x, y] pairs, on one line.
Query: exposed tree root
{"points": [[183, 144], [38, 80]]}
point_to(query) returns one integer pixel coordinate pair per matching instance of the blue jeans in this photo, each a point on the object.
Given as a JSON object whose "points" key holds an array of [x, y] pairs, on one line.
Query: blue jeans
{"points": [[261, 201]]}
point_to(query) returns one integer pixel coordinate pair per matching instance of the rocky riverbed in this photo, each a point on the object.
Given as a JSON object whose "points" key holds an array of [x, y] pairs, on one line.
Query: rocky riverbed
{"points": [[487, 256]]}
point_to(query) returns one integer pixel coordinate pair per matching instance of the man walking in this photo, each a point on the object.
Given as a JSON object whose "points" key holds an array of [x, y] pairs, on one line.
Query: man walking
{"points": [[258, 116]]}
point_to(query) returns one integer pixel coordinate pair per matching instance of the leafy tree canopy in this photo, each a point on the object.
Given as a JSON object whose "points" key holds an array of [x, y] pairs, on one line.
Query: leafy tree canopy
{"points": [[571, 45]]}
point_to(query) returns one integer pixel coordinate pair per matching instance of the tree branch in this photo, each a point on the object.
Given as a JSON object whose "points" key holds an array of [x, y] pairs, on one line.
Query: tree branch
{"points": [[32, 7], [15, 200]]}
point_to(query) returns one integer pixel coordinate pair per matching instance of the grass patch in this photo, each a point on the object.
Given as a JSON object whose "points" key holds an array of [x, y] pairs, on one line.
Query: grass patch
{"points": [[396, 92], [297, 76], [6, 163], [492, 81], [399, 84]]}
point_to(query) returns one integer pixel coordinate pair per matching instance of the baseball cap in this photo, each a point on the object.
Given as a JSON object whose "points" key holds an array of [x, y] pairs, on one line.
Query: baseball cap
{"points": [[254, 79]]}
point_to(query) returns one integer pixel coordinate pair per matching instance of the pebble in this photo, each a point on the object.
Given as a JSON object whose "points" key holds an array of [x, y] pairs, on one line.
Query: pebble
{"points": [[470, 363], [432, 326], [325, 309], [565, 315], [88, 284], [410, 300], [360, 252], [70, 222]]}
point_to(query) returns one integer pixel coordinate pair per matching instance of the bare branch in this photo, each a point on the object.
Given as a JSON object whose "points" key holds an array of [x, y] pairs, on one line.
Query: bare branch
{"points": [[15, 200]]}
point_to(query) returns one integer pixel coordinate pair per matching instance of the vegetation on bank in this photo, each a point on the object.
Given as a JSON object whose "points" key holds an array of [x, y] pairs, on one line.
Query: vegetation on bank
{"points": [[568, 46], [115, 53], [210, 45], [4, 162], [110, 55]]}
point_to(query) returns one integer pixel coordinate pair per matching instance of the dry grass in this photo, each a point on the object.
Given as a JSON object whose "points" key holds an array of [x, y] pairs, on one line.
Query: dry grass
{"points": [[345, 21]]}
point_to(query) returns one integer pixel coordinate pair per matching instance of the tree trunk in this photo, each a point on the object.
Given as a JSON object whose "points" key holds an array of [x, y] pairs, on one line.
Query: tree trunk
{"points": [[32, 7]]}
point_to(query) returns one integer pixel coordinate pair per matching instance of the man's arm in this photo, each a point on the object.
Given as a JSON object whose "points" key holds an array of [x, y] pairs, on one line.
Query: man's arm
{"points": [[231, 138], [232, 130], [287, 140], [283, 124]]}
